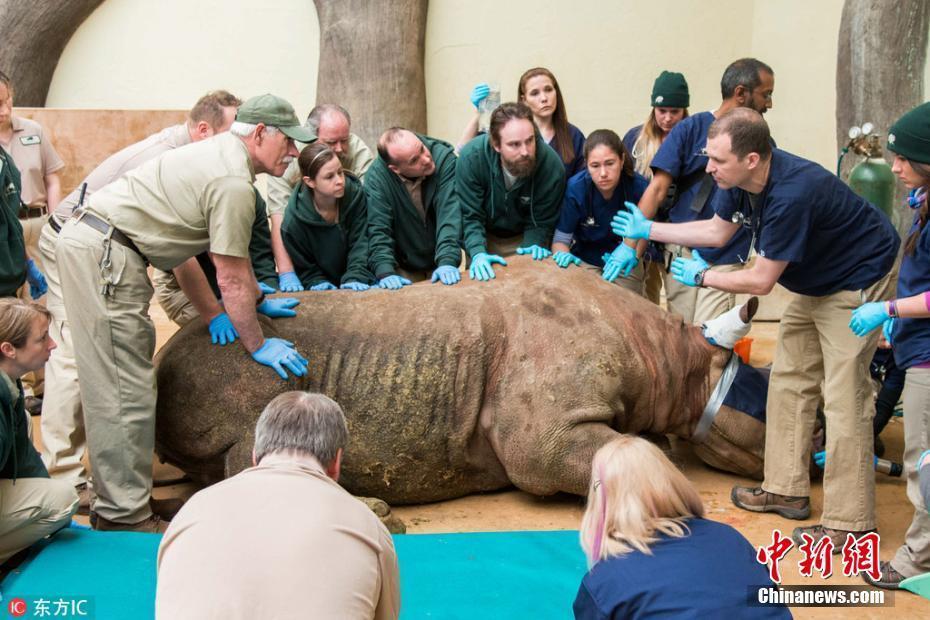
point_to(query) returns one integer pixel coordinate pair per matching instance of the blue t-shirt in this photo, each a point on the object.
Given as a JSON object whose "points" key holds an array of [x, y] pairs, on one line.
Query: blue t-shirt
{"points": [[682, 154], [833, 239], [576, 165], [583, 200], [706, 574], [911, 337]]}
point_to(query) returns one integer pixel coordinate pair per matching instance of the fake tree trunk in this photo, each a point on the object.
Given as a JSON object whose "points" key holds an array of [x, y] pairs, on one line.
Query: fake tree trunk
{"points": [[371, 63], [880, 67], [34, 34]]}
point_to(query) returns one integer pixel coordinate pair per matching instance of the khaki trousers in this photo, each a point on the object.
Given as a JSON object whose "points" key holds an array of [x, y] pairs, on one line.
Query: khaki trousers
{"points": [[114, 340], [172, 299], [33, 382], [652, 281], [815, 346], [63, 436], [31, 509], [913, 557], [697, 305]]}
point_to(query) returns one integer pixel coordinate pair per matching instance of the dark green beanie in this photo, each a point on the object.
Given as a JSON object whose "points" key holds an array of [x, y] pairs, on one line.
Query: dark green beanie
{"points": [[670, 91], [909, 137]]}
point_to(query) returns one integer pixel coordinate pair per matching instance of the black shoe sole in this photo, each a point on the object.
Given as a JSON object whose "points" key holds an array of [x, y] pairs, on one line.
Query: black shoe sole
{"points": [[795, 514]]}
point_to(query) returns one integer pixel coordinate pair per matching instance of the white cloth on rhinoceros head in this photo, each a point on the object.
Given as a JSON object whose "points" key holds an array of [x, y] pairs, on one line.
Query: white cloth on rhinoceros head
{"points": [[726, 329]]}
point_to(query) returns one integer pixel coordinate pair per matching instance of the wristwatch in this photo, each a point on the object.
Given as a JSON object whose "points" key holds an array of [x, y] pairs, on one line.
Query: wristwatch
{"points": [[699, 277]]}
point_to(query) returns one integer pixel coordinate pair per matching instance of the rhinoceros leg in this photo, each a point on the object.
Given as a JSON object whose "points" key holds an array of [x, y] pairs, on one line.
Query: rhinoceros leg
{"points": [[543, 458], [735, 443], [238, 457]]}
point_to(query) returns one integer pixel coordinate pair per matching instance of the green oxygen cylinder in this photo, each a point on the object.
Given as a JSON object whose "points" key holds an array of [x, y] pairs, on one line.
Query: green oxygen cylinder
{"points": [[873, 180]]}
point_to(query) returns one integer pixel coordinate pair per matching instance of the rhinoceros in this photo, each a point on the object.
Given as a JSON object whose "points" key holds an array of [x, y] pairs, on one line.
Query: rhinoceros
{"points": [[451, 390]]}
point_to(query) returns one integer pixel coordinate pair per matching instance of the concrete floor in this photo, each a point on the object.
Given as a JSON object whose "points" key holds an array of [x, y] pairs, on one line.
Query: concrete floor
{"points": [[515, 510]]}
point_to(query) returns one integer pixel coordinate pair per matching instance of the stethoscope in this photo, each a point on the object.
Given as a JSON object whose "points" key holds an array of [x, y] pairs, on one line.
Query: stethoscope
{"points": [[751, 220], [589, 221]]}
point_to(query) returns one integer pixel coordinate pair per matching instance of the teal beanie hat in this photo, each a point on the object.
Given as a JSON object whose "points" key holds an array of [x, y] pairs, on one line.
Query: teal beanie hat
{"points": [[909, 137], [670, 91]]}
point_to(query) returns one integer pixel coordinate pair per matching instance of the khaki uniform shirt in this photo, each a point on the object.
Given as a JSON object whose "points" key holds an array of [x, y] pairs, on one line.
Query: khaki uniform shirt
{"points": [[121, 162], [190, 200], [35, 157], [280, 540], [359, 159]]}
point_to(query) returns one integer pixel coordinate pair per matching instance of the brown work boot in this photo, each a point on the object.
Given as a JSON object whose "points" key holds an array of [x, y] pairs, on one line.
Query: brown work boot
{"points": [[890, 579], [166, 508], [152, 525], [818, 531], [757, 500], [86, 497]]}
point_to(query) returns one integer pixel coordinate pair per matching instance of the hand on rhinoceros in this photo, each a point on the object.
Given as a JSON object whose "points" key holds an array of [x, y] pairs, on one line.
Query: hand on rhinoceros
{"points": [[481, 268], [686, 270], [564, 259], [393, 283], [278, 307], [868, 316], [620, 262], [354, 286], [537, 252], [222, 331], [447, 274], [266, 289], [280, 354], [631, 224], [289, 282], [323, 286]]}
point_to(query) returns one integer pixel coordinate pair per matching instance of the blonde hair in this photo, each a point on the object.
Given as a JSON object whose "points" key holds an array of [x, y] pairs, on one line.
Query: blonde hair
{"points": [[635, 494], [16, 319], [648, 142]]}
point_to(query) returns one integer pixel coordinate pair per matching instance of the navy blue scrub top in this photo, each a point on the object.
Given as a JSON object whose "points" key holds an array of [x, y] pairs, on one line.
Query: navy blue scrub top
{"points": [[706, 574], [833, 239], [910, 339], [681, 154], [583, 199], [576, 165]]}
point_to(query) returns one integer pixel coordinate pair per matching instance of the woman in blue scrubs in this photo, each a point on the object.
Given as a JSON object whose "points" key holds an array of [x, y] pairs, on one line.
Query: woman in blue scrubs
{"points": [[592, 198], [651, 551], [906, 325]]}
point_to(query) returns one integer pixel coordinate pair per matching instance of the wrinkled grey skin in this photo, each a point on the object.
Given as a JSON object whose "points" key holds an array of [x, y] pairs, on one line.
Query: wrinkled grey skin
{"points": [[451, 390]]}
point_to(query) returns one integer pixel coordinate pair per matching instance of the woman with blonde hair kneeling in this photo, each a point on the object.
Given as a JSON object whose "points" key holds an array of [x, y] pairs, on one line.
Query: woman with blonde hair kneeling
{"points": [[652, 552], [32, 505]]}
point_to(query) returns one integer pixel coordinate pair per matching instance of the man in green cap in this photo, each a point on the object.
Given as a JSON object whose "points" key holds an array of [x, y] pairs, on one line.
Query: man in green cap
{"points": [[414, 220], [187, 201]]}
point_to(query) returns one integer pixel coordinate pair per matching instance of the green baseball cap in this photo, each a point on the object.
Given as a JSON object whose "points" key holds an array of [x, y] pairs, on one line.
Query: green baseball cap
{"points": [[274, 111], [909, 137]]}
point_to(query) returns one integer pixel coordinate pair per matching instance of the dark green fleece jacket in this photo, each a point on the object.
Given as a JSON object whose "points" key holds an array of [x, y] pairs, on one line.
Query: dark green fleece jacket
{"points": [[397, 234], [335, 253], [259, 251], [13, 251], [529, 208], [18, 457]]}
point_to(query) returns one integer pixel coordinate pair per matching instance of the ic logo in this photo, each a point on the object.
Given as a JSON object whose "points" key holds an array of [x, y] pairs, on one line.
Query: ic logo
{"points": [[17, 607]]}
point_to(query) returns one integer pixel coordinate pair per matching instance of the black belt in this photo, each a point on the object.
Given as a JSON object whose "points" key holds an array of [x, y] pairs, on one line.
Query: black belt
{"points": [[54, 224], [105, 227], [26, 212]]}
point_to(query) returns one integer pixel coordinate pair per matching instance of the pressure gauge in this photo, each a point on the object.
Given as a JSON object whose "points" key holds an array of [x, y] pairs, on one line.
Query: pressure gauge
{"points": [[867, 128], [854, 132]]}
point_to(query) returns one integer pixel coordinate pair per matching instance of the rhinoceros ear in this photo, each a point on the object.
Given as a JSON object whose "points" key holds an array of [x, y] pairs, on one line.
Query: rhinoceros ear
{"points": [[735, 443]]}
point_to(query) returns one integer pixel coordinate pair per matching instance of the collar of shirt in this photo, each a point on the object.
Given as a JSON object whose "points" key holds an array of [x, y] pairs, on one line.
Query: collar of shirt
{"points": [[17, 124], [11, 385], [291, 460]]}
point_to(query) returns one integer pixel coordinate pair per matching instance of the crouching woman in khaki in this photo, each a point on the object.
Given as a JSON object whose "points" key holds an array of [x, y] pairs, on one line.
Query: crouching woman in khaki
{"points": [[32, 505]]}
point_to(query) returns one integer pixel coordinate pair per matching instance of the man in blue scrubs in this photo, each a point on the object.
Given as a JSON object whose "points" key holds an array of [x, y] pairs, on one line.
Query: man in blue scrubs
{"points": [[681, 161], [833, 251]]}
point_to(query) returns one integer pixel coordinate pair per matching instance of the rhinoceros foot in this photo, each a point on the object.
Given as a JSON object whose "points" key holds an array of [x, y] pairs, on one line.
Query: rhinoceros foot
{"points": [[383, 512]]}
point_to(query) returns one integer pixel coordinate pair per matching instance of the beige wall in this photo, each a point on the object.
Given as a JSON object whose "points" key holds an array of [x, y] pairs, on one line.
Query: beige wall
{"points": [[605, 54]]}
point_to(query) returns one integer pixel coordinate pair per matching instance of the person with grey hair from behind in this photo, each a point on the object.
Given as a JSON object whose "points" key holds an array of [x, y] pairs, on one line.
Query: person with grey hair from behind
{"points": [[281, 539]]}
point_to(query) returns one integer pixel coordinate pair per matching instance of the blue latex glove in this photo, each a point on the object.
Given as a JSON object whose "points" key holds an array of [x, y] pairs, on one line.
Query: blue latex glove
{"points": [[289, 282], [685, 270], [564, 259], [323, 286], [393, 283], [74, 525], [867, 317], [535, 251], [481, 268], [887, 329], [37, 284], [820, 459], [278, 307], [222, 331], [631, 224], [621, 262], [447, 274], [280, 354], [355, 286], [479, 93], [265, 289]]}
